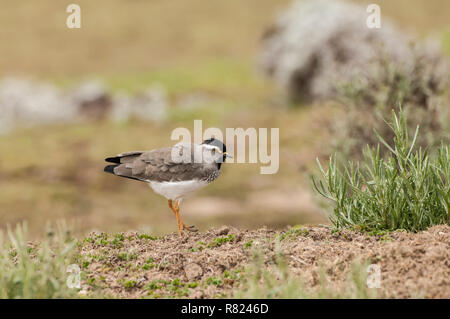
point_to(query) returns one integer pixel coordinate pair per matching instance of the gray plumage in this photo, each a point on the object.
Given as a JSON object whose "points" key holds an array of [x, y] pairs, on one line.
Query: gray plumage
{"points": [[164, 165]]}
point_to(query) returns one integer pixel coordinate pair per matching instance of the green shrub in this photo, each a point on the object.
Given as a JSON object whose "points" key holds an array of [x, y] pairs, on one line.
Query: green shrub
{"points": [[409, 189], [36, 271]]}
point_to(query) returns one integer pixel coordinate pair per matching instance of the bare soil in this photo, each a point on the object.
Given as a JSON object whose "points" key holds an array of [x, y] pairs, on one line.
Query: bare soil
{"points": [[211, 264]]}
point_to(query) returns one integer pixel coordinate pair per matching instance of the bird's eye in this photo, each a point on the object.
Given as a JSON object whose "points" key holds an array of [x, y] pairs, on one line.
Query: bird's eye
{"points": [[213, 151]]}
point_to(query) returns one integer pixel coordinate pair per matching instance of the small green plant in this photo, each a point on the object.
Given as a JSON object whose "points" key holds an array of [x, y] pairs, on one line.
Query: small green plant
{"points": [[88, 240], [200, 247], [129, 284], [118, 240], [177, 283], [214, 281], [294, 232], [219, 241], [122, 256], [119, 237], [409, 189], [147, 236], [248, 244], [149, 263], [132, 256], [153, 285], [170, 288], [192, 285]]}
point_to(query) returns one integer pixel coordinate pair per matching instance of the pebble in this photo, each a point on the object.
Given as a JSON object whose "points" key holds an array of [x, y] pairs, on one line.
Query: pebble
{"points": [[193, 271]]}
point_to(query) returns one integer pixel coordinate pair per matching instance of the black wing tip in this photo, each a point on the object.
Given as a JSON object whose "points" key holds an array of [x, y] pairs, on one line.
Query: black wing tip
{"points": [[115, 159], [110, 169]]}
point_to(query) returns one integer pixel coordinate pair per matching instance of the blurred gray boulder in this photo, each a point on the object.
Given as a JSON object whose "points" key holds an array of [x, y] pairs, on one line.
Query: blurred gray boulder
{"points": [[316, 46], [150, 105], [92, 100], [26, 103]]}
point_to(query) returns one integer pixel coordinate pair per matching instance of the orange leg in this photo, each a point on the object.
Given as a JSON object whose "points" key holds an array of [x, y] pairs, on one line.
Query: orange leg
{"points": [[177, 215], [189, 228], [174, 207]]}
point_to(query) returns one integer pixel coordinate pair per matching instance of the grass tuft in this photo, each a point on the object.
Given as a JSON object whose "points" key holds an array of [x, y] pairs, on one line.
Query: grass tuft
{"points": [[409, 189], [277, 281], [28, 271]]}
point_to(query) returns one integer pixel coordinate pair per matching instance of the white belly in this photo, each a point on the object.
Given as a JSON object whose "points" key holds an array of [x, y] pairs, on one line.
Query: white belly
{"points": [[177, 190]]}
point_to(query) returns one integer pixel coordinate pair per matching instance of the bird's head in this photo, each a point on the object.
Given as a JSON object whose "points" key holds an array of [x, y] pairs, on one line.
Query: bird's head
{"points": [[216, 149]]}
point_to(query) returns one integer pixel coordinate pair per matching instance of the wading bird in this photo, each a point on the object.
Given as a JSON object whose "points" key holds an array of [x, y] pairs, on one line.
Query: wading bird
{"points": [[173, 172]]}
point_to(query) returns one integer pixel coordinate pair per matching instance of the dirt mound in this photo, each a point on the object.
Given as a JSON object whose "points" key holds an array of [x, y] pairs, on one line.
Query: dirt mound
{"points": [[211, 264]]}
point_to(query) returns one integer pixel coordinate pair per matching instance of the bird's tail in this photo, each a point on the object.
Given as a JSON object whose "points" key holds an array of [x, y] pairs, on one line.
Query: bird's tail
{"points": [[120, 168], [121, 171], [110, 169]]}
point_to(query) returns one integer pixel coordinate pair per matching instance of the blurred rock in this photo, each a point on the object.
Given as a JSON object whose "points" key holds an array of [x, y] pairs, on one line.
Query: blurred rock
{"points": [[150, 105], [224, 230], [315, 46], [193, 271], [92, 100], [24, 102], [193, 100], [122, 107]]}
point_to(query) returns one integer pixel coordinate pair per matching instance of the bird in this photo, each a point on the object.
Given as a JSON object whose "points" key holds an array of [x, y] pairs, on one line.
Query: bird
{"points": [[173, 172]]}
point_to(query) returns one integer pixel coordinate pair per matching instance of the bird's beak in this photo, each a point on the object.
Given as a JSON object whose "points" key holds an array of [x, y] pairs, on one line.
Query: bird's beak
{"points": [[226, 155]]}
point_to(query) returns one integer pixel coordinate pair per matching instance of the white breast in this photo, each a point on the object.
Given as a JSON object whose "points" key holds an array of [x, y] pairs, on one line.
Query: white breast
{"points": [[177, 190]]}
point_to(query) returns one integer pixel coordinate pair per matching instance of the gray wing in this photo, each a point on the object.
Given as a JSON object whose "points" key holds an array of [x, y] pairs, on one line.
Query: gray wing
{"points": [[158, 165]]}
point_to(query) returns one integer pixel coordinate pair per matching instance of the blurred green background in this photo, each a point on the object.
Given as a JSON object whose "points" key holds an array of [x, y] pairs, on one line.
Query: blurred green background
{"points": [[197, 48]]}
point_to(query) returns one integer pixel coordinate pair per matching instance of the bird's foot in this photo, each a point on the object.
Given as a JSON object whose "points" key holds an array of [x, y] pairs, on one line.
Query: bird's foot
{"points": [[190, 228]]}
